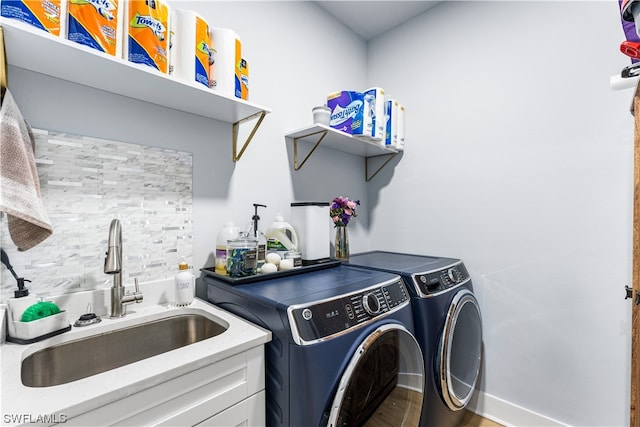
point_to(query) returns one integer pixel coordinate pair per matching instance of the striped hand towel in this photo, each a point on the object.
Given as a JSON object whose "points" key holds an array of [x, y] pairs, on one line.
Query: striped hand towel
{"points": [[20, 195]]}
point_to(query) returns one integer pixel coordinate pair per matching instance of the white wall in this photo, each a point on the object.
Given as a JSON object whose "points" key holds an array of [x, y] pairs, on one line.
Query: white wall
{"points": [[519, 161], [291, 51]]}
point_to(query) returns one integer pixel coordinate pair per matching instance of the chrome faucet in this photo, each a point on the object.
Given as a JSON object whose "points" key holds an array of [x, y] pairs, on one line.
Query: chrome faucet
{"points": [[113, 265]]}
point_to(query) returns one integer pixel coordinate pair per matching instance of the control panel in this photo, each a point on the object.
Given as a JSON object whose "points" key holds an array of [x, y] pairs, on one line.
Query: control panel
{"points": [[435, 282], [320, 320]]}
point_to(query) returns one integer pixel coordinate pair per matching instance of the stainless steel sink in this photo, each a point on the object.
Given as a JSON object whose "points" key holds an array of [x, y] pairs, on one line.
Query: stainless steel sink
{"points": [[74, 360]]}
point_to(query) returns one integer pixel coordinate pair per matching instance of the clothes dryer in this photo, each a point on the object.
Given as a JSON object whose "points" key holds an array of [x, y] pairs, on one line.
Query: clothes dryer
{"points": [[343, 349], [448, 327]]}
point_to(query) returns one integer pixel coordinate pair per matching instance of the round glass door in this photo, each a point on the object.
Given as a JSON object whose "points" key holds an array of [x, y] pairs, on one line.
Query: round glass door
{"points": [[383, 385], [460, 351]]}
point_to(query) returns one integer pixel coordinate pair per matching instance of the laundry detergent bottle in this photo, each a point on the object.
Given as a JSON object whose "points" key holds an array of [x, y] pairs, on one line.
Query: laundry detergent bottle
{"points": [[281, 237]]}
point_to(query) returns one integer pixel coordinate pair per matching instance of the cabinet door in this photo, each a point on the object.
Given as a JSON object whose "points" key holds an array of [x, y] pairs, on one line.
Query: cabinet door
{"points": [[249, 412]]}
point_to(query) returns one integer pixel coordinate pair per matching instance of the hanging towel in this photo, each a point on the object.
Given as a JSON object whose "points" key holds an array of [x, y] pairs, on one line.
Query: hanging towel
{"points": [[19, 184]]}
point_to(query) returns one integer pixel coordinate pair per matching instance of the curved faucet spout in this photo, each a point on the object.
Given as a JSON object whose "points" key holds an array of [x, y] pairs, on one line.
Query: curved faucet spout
{"points": [[113, 266], [113, 261]]}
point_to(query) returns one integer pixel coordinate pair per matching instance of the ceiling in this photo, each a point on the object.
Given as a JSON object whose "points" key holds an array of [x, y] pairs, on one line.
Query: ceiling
{"points": [[360, 14]]}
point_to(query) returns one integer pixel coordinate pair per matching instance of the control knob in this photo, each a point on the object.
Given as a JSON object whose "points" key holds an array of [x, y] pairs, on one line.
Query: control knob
{"points": [[454, 275], [371, 304]]}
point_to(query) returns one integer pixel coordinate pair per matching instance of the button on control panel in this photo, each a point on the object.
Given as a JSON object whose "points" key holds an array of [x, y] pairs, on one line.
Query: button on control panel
{"points": [[321, 320], [440, 280]]}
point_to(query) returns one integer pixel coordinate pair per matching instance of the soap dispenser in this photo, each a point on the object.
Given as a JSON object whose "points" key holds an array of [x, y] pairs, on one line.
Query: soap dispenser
{"points": [[258, 234]]}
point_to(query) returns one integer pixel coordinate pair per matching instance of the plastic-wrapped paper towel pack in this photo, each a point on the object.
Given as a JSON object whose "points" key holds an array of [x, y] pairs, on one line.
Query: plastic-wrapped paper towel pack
{"points": [[190, 51], [227, 62], [146, 35], [97, 24], [50, 16]]}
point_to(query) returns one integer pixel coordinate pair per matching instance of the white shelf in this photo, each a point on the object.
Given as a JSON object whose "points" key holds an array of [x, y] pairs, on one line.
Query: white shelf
{"points": [[340, 141], [321, 135], [35, 50]]}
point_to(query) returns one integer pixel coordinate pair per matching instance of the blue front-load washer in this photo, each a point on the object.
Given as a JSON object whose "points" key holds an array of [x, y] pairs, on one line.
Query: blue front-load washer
{"points": [[343, 349], [448, 328]]}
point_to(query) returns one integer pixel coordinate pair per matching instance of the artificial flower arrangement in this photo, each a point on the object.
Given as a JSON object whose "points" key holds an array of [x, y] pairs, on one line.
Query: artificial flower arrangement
{"points": [[342, 210]]}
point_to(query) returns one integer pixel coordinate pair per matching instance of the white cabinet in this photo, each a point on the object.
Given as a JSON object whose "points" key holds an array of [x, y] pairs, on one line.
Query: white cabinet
{"points": [[320, 135], [231, 390], [35, 50]]}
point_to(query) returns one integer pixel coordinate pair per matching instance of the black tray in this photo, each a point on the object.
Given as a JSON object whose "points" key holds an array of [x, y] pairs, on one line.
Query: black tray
{"points": [[210, 271]]}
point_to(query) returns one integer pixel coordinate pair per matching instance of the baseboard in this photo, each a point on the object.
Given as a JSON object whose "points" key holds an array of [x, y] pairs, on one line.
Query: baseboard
{"points": [[507, 413]]}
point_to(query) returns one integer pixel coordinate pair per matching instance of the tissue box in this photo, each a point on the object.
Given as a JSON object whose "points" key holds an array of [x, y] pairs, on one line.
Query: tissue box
{"points": [[347, 112]]}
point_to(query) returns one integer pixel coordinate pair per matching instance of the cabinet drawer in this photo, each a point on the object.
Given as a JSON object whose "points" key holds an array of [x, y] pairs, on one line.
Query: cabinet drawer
{"points": [[188, 399], [249, 412]]}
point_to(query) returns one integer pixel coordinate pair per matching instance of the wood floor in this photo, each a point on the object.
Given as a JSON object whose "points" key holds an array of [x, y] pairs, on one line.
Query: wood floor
{"points": [[472, 420], [391, 412]]}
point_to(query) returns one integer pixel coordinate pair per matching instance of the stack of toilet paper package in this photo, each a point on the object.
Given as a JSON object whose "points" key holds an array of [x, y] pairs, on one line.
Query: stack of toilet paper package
{"points": [[173, 41], [368, 115]]}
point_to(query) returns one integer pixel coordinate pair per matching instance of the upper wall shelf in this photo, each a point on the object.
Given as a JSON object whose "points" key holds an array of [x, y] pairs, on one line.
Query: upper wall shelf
{"points": [[316, 135], [35, 50]]}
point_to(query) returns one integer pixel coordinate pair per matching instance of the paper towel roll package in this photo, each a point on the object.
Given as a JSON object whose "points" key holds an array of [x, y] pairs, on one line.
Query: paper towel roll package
{"points": [[190, 52], [373, 115], [347, 111], [400, 126], [97, 24], [227, 56], [392, 123], [146, 33], [242, 77], [50, 16]]}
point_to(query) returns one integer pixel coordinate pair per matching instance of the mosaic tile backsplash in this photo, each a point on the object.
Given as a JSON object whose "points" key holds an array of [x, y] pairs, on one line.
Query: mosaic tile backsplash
{"points": [[85, 183]]}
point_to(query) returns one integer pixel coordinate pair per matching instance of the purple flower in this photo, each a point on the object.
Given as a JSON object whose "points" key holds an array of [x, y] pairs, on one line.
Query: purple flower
{"points": [[342, 210]]}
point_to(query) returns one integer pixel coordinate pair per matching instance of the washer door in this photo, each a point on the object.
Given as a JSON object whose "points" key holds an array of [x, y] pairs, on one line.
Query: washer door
{"points": [[383, 383], [460, 350]]}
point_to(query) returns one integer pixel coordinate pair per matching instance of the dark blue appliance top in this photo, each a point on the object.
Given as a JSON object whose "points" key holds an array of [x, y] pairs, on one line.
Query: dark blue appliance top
{"points": [[310, 287], [399, 262]]}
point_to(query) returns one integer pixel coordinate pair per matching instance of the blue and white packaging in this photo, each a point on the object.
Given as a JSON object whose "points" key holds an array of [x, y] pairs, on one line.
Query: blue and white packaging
{"points": [[347, 109], [400, 127], [374, 115], [391, 114]]}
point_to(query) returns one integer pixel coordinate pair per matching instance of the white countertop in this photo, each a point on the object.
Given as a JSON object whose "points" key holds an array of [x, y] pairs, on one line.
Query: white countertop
{"points": [[83, 395]]}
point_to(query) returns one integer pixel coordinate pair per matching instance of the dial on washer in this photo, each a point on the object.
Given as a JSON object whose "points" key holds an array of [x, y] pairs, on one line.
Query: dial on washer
{"points": [[371, 304]]}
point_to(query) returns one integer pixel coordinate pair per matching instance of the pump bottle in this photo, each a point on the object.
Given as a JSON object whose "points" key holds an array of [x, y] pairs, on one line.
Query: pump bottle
{"points": [[258, 234]]}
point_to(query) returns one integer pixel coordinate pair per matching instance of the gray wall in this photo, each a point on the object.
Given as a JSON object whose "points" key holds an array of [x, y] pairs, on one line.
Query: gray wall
{"points": [[519, 161]]}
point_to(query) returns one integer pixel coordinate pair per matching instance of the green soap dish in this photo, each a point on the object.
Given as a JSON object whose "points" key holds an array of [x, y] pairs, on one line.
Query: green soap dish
{"points": [[39, 310]]}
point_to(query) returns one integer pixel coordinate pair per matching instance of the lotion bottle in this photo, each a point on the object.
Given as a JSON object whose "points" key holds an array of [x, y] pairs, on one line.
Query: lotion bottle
{"points": [[184, 284]]}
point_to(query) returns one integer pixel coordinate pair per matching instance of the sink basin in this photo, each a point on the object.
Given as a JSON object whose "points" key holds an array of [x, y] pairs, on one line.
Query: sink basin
{"points": [[74, 360]]}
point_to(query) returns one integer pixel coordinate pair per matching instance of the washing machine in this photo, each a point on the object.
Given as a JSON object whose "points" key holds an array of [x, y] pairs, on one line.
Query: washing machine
{"points": [[448, 327], [343, 349]]}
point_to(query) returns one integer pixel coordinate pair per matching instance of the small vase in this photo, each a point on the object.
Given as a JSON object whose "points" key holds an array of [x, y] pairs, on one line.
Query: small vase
{"points": [[342, 244]]}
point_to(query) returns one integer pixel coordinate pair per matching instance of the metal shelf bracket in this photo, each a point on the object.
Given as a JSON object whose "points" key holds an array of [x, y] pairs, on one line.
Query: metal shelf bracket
{"points": [[297, 166], [386, 158], [236, 127]]}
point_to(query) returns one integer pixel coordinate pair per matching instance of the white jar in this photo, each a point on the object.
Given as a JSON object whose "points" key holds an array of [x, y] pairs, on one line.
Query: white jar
{"points": [[321, 115], [229, 232]]}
